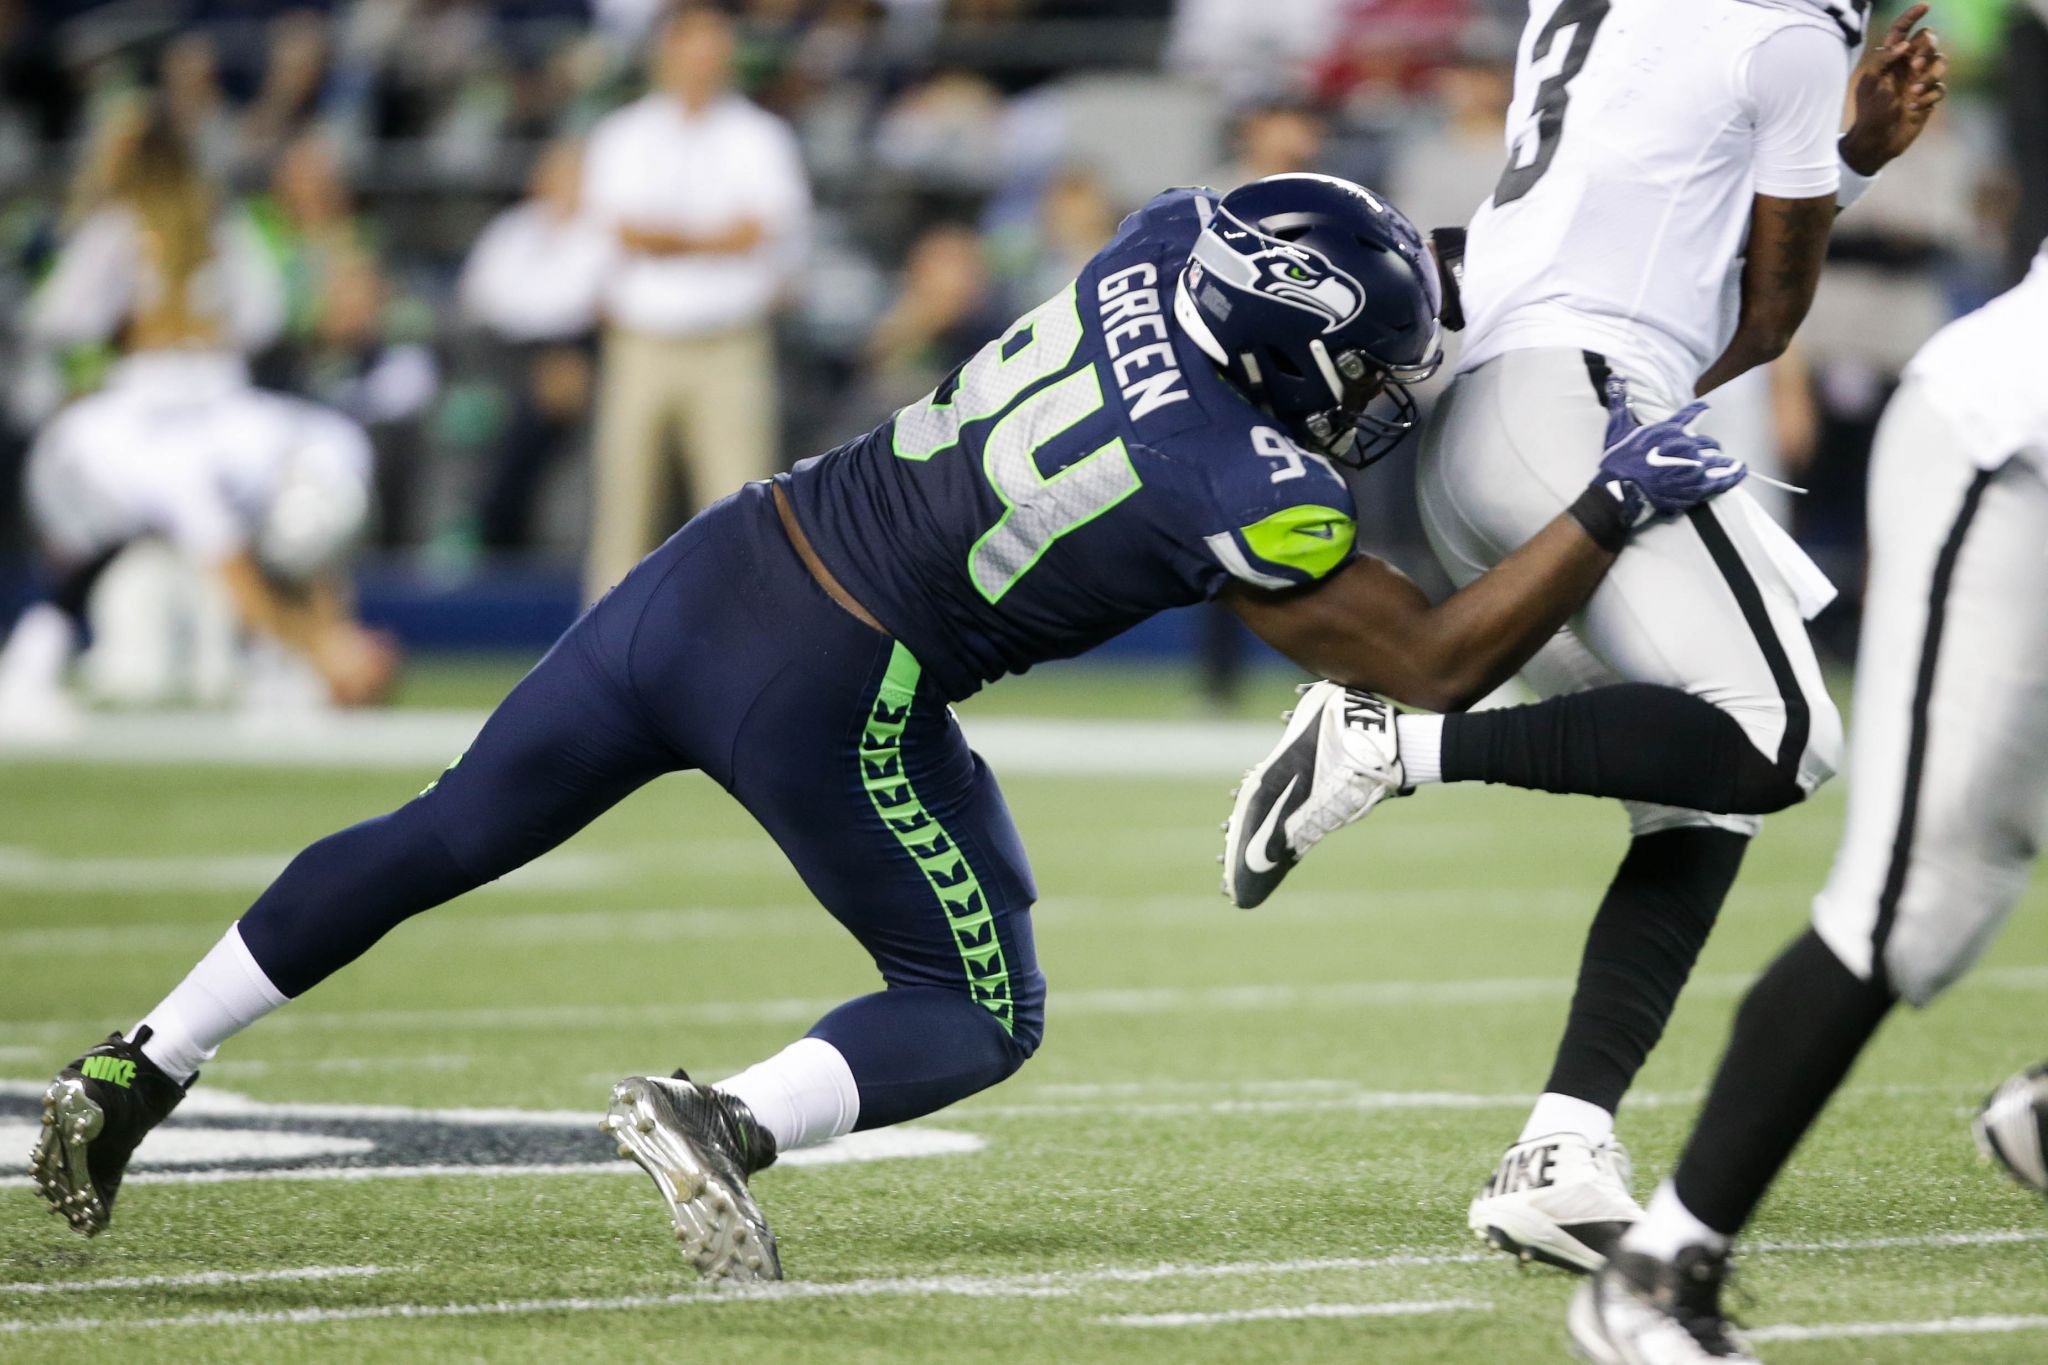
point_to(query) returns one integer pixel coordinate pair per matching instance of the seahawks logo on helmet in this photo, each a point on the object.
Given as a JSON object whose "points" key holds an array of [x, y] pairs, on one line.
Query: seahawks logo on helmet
{"points": [[1285, 272], [1303, 278]]}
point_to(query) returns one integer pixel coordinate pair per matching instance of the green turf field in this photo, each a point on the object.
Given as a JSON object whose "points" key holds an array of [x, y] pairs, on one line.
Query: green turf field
{"points": [[1276, 1116]]}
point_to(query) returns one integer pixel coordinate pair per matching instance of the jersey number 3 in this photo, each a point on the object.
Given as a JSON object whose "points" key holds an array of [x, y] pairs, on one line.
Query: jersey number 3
{"points": [[1553, 96], [998, 383]]}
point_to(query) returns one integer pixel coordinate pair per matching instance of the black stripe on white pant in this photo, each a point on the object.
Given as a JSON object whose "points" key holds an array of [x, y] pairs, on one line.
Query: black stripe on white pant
{"points": [[1916, 743], [1798, 717]]}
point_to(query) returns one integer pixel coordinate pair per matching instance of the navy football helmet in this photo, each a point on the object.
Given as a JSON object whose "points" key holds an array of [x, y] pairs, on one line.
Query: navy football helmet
{"points": [[1317, 297]]}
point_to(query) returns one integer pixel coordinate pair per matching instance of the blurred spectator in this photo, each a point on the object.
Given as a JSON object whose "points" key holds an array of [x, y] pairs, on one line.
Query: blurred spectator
{"points": [[1252, 50], [1444, 169], [1278, 137], [533, 282], [944, 131], [337, 347], [1075, 219], [293, 78], [707, 197], [197, 105], [1380, 49], [309, 223], [149, 262], [946, 308]]}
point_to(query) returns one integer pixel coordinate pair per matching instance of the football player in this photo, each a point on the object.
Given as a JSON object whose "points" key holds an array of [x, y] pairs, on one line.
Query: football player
{"points": [[1161, 431], [1673, 175], [1948, 800], [267, 491]]}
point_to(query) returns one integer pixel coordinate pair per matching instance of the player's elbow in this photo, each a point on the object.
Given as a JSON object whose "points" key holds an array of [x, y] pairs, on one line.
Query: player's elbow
{"points": [[1442, 686], [1765, 338]]}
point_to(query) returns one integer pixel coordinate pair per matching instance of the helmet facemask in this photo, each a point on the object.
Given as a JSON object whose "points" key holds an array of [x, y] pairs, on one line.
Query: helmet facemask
{"points": [[1374, 409]]}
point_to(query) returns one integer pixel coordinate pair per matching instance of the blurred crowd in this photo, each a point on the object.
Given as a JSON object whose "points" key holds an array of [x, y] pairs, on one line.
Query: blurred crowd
{"points": [[580, 265]]}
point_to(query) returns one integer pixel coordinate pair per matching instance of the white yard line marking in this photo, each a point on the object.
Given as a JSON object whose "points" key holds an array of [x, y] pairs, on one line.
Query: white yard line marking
{"points": [[640, 926], [424, 739], [1163, 1000], [1935, 1327], [1335, 995], [1041, 1285], [1299, 1312], [24, 869], [199, 1279]]}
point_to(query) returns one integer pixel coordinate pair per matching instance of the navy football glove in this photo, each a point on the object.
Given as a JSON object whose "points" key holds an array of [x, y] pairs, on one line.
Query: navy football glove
{"points": [[1651, 471]]}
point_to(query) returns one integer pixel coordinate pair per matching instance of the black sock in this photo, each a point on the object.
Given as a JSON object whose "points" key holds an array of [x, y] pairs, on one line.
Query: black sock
{"points": [[1657, 914], [1797, 1034], [1634, 741]]}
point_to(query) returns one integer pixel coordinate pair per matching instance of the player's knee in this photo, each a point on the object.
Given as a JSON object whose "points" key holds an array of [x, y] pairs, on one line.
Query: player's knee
{"points": [[1768, 780], [1824, 744], [1027, 1016]]}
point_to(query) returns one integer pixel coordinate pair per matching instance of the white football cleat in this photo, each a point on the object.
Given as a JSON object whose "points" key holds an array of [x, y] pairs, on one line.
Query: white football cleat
{"points": [[1641, 1310], [2011, 1128], [1561, 1200], [37, 717], [1338, 758]]}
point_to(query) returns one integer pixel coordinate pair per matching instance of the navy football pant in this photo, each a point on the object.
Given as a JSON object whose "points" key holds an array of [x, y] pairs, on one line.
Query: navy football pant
{"points": [[721, 653]]}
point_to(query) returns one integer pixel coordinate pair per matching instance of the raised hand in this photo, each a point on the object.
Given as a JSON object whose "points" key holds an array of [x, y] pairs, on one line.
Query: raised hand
{"points": [[1897, 90]]}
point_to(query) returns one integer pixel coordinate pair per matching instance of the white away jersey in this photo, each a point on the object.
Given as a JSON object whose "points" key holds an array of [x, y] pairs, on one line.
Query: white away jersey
{"points": [[1640, 134], [179, 446], [1985, 372]]}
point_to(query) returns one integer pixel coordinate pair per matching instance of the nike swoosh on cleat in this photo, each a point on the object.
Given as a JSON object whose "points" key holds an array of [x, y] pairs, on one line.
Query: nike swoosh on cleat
{"points": [[1319, 532], [1255, 852]]}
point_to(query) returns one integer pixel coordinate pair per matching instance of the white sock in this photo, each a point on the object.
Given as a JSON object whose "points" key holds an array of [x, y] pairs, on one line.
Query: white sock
{"points": [[1555, 1113], [219, 998], [804, 1094], [37, 650], [1422, 748], [1668, 1227]]}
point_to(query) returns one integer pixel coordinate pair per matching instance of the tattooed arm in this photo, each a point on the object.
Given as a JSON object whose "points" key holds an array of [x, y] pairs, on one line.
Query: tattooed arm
{"points": [[1788, 241], [1900, 85]]}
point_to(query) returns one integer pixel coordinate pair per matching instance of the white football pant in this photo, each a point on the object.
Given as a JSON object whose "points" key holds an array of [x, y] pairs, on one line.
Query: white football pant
{"points": [[1949, 791], [1713, 604]]}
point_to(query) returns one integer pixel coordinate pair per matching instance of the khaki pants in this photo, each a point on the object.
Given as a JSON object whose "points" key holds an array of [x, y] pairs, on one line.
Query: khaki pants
{"points": [[707, 402]]}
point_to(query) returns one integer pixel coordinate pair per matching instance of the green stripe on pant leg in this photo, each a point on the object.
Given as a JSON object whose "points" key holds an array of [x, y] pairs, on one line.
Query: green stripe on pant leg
{"points": [[945, 868]]}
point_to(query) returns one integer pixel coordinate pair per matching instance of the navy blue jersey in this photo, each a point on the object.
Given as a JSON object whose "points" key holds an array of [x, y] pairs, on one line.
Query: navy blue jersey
{"points": [[1086, 469]]}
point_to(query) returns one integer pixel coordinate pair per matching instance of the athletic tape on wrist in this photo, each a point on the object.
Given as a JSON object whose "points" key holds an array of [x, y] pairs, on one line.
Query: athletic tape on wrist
{"points": [[1598, 512], [1854, 184]]}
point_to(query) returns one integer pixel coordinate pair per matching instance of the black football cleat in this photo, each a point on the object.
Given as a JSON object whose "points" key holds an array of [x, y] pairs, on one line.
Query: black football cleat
{"points": [[700, 1145], [95, 1113]]}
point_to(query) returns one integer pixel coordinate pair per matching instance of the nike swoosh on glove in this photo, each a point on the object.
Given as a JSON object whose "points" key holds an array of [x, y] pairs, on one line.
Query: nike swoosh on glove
{"points": [[1650, 471], [1665, 466]]}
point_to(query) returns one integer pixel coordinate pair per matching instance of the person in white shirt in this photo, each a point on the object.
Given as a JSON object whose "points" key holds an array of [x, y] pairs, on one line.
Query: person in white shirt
{"points": [[532, 283], [706, 197], [154, 262], [1948, 802]]}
